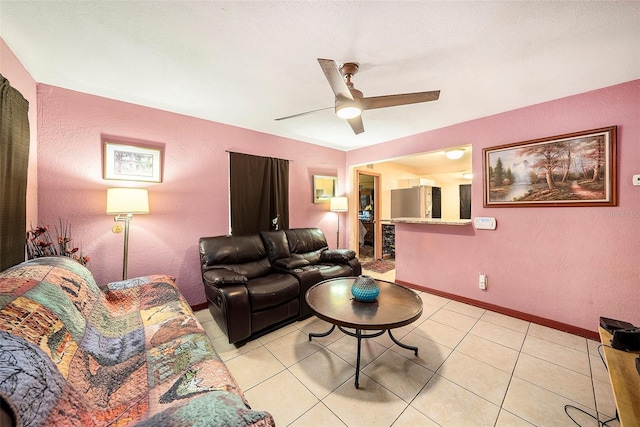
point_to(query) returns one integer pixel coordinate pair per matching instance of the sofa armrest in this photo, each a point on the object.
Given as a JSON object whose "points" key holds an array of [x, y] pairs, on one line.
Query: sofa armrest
{"points": [[338, 256], [223, 276], [231, 309], [291, 263], [356, 267]]}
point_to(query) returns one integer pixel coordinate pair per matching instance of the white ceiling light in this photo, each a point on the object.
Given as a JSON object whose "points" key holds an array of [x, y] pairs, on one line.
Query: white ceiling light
{"points": [[454, 154], [348, 109], [467, 175]]}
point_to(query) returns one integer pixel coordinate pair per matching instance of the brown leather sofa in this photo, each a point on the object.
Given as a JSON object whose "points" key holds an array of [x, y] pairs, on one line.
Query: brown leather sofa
{"points": [[257, 283], [303, 253]]}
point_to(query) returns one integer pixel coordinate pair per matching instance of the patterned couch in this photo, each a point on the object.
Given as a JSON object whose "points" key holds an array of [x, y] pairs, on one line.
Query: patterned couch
{"points": [[72, 354]]}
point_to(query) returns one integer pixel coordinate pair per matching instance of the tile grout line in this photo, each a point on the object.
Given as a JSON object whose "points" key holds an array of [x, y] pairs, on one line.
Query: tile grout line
{"points": [[529, 332], [513, 371], [435, 373]]}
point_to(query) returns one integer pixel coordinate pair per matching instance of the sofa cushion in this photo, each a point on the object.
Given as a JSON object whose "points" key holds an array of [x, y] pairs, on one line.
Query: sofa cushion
{"points": [[305, 240], [313, 257], [276, 244], [245, 255], [231, 250], [295, 261], [271, 290], [251, 269]]}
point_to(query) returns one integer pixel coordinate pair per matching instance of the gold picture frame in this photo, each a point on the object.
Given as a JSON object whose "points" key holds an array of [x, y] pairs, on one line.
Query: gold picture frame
{"points": [[324, 188], [576, 169]]}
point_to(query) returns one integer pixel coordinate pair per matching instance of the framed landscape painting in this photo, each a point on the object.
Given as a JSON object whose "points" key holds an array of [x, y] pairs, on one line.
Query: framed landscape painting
{"points": [[132, 162], [577, 169]]}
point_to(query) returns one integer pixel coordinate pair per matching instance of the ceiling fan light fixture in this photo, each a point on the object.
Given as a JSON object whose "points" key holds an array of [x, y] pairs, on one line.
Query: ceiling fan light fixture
{"points": [[454, 154], [348, 112], [348, 109]]}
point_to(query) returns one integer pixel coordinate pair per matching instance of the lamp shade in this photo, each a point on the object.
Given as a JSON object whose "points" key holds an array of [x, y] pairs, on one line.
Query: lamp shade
{"points": [[339, 204], [127, 201]]}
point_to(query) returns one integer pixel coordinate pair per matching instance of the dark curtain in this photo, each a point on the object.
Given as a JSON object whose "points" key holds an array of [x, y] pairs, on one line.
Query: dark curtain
{"points": [[465, 201], [14, 164], [259, 193]]}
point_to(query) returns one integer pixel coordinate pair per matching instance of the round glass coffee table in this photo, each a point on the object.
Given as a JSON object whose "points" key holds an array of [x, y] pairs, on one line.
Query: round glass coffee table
{"points": [[395, 306]]}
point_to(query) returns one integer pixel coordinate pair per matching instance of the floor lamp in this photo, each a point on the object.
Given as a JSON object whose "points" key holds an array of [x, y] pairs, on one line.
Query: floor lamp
{"points": [[338, 204], [123, 203]]}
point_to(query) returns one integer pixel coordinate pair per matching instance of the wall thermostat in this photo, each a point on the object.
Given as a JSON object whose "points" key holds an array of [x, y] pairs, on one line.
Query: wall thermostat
{"points": [[484, 223]]}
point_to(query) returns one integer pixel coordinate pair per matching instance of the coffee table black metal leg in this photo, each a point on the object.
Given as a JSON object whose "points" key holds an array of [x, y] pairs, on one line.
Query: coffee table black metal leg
{"points": [[359, 336], [408, 347], [320, 335]]}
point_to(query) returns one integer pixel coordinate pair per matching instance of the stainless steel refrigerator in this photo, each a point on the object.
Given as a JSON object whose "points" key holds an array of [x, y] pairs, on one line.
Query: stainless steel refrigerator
{"points": [[414, 202]]}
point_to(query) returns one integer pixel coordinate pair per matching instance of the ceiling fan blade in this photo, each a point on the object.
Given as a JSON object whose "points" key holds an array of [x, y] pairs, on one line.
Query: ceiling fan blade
{"points": [[304, 114], [335, 79], [356, 124], [374, 102]]}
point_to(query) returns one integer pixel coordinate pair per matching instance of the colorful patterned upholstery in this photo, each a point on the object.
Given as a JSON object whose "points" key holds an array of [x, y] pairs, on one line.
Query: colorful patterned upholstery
{"points": [[133, 354]]}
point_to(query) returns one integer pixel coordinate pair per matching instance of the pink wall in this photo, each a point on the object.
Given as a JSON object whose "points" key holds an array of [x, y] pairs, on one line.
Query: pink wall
{"points": [[566, 264], [192, 200], [570, 265], [13, 70]]}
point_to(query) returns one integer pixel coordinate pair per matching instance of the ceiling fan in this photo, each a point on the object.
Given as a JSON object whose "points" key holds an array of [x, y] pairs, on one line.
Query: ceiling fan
{"points": [[350, 103]]}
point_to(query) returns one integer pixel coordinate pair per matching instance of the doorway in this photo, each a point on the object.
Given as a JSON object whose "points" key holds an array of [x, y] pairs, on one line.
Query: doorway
{"points": [[368, 229]]}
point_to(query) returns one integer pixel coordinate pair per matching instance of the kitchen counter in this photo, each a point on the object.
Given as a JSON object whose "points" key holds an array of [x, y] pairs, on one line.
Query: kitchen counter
{"points": [[428, 221]]}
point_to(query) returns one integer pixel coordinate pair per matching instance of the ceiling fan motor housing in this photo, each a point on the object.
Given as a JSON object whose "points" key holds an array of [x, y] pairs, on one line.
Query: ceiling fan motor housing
{"points": [[349, 69], [349, 108]]}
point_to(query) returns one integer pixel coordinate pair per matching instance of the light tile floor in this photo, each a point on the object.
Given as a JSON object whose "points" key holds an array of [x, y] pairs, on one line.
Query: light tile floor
{"points": [[474, 368]]}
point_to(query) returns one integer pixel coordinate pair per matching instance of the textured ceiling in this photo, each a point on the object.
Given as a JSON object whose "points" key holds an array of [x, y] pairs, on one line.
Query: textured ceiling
{"points": [[245, 63]]}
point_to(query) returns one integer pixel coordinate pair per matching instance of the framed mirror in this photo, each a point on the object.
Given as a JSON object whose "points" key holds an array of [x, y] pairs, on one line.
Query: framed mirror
{"points": [[324, 188]]}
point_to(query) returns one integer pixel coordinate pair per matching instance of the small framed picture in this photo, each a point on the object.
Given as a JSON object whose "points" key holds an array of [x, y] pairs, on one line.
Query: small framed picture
{"points": [[132, 162], [324, 188]]}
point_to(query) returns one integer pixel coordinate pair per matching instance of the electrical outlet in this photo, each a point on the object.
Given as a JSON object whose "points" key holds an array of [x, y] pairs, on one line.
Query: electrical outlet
{"points": [[116, 228], [483, 281], [636, 179]]}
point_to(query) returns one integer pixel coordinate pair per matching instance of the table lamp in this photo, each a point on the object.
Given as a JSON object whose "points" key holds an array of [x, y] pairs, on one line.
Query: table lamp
{"points": [[338, 204], [123, 203]]}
